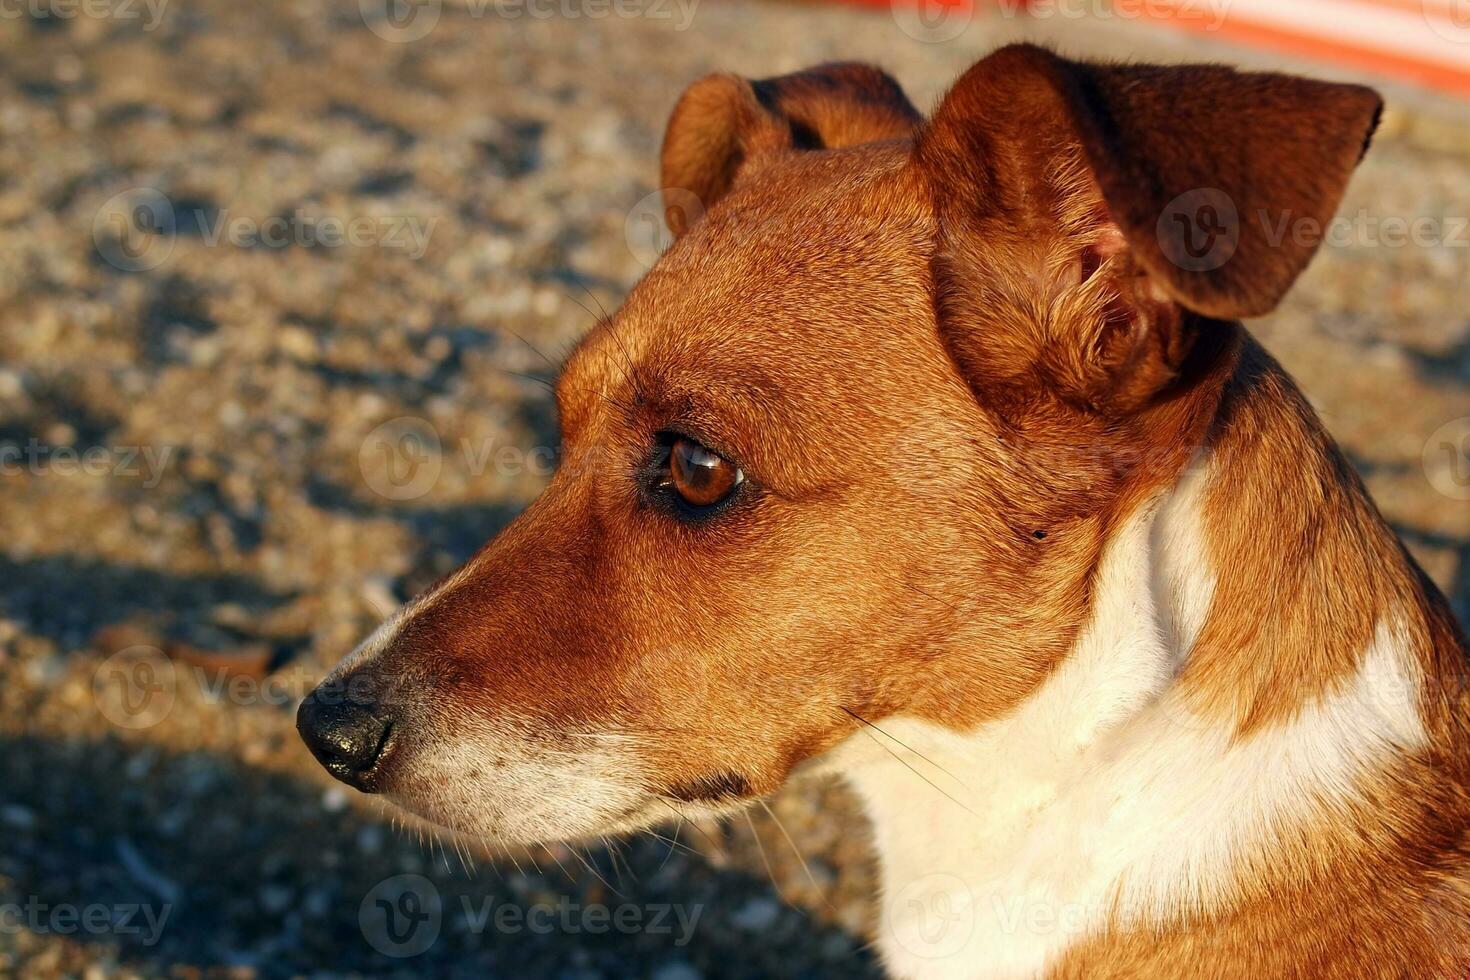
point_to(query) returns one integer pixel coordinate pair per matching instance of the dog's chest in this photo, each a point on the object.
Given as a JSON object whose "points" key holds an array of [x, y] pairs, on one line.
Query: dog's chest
{"points": [[1102, 801]]}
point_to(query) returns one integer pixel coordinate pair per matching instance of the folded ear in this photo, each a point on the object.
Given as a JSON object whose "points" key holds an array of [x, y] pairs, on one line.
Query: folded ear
{"points": [[1163, 191], [724, 124]]}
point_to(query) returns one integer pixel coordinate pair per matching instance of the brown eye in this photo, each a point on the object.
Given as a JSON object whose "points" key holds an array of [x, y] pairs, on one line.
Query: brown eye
{"points": [[701, 478]]}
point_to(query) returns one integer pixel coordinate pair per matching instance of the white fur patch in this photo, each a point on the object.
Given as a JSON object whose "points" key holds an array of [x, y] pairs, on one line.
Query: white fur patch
{"points": [[512, 784], [1102, 795], [501, 778]]}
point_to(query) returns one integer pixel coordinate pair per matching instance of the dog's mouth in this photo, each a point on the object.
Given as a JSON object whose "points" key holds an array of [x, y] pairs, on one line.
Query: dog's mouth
{"points": [[542, 799], [508, 785], [550, 818], [509, 782]]}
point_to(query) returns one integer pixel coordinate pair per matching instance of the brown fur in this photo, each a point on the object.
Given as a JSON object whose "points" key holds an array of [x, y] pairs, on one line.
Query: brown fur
{"points": [[724, 124], [952, 358]]}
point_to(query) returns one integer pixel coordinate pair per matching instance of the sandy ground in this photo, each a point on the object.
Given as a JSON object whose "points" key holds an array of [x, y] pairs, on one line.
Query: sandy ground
{"points": [[190, 411]]}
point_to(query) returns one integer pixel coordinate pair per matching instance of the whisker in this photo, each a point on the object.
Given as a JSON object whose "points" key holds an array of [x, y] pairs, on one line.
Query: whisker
{"points": [[673, 843], [582, 285], [596, 320], [536, 350], [906, 764], [905, 747], [765, 859], [531, 377], [469, 858], [552, 854], [612, 853], [797, 851], [635, 381], [516, 864], [588, 865], [941, 601], [717, 845]]}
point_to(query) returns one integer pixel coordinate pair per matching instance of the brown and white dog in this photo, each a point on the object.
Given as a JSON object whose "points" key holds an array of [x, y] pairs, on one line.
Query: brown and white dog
{"points": [[933, 453]]}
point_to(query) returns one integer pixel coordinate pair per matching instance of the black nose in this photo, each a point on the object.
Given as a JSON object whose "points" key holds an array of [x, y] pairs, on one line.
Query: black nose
{"points": [[349, 739]]}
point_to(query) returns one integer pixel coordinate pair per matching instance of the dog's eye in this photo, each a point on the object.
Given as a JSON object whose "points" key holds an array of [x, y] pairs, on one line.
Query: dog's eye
{"points": [[701, 478]]}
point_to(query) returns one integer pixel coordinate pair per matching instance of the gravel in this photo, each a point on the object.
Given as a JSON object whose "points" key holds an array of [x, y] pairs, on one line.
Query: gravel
{"points": [[197, 411]]}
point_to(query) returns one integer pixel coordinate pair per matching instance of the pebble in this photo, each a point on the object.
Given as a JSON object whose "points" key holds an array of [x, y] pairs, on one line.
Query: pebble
{"points": [[275, 899], [370, 839], [298, 343], [756, 915], [61, 434], [312, 348], [317, 904], [139, 765], [11, 384], [334, 799], [677, 971], [17, 816]]}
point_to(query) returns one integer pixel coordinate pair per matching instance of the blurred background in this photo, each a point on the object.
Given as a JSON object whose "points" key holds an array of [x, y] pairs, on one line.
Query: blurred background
{"points": [[280, 279]]}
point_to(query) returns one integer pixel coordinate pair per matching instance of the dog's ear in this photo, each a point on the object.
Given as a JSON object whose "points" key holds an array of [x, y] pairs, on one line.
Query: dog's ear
{"points": [[1166, 196], [724, 124]]}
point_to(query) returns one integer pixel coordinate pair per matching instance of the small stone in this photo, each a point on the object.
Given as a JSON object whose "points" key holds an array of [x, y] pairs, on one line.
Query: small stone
{"points": [[334, 800], [138, 766], [61, 434], [298, 343], [370, 839], [11, 385], [275, 899], [18, 816], [677, 971], [317, 904], [438, 348], [756, 915]]}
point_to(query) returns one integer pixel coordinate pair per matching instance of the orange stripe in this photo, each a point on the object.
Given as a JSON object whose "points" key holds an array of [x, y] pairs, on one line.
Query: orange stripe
{"points": [[1419, 8], [1442, 77], [1445, 78]]}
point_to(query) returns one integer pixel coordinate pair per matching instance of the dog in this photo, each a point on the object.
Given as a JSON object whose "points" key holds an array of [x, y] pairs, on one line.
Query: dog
{"points": [[933, 453]]}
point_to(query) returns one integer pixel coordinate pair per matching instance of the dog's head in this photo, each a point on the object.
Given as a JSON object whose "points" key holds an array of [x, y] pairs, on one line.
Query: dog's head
{"points": [[852, 447]]}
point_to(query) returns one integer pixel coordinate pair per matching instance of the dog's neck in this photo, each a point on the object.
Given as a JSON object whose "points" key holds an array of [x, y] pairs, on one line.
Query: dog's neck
{"points": [[1116, 797]]}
